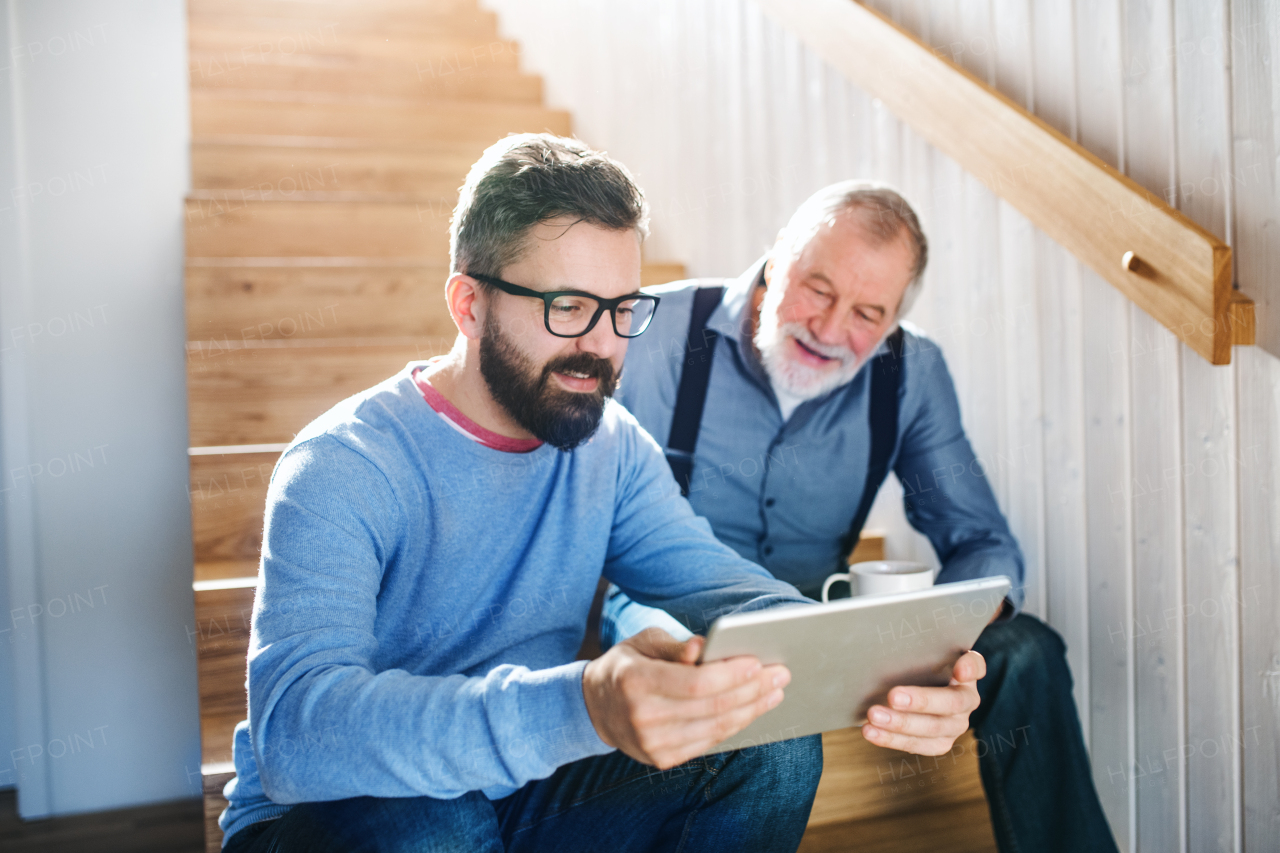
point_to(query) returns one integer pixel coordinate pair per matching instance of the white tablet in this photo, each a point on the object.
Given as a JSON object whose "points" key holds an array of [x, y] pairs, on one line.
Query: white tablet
{"points": [[845, 656]]}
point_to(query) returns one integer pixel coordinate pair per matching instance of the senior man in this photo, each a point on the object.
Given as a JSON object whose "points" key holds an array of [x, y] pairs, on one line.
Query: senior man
{"points": [[785, 397]]}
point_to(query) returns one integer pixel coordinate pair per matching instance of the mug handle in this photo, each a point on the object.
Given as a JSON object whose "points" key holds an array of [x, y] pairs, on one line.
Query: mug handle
{"points": [[835, 578]]}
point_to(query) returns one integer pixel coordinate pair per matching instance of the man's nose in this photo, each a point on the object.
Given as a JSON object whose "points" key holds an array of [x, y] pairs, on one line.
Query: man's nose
{"points": [[829, 328], [601, 340]]}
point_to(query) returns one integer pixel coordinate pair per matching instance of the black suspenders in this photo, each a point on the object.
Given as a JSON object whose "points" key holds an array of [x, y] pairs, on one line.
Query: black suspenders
{"points": [[882, 413], [695, 375]]}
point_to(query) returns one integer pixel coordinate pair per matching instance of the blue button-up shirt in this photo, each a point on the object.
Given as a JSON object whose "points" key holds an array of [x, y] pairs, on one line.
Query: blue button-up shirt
{"points": [[783, 493]]}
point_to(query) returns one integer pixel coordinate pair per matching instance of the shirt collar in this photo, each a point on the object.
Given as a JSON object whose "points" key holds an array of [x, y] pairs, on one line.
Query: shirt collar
{"points": [[732, 320]]}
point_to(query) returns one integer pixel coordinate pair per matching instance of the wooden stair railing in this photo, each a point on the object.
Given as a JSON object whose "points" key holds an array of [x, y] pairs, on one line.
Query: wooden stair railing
{"points": [[329, 140], [1165, 263]]}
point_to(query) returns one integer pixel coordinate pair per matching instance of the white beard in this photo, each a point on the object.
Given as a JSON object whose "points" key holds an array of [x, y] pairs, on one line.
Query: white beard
{"points": [[785, 372]]}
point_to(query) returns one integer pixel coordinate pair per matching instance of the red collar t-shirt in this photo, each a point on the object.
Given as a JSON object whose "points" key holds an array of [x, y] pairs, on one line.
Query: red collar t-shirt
{"points": [[463, 424]]}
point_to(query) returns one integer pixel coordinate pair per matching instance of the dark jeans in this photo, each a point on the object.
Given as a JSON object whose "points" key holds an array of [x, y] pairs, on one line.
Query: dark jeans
{"points": [[1031, 751], [755, 799]]}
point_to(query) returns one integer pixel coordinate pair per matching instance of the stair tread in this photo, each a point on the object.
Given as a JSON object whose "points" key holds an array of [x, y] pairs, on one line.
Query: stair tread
{"points": [[433, 80], [214, 113], [254, 41]]}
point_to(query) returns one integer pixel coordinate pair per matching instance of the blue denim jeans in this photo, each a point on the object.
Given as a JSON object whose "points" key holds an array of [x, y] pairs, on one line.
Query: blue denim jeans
{"points": [[1031, 752], [755, 799]]}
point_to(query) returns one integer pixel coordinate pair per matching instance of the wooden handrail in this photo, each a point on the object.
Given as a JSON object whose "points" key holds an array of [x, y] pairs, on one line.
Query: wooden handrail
{"points": [[1176, 271]]}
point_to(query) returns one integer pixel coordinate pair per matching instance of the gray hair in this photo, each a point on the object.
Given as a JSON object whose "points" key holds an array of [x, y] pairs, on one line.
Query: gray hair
{"points": [[881, 211], [530, 178]]}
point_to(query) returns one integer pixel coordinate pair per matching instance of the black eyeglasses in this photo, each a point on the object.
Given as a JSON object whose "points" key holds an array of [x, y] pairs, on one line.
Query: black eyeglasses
{"points": [[572, 313]]}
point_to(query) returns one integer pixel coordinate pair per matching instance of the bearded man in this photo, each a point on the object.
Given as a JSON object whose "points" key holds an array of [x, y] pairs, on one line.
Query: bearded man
{"points": [[431, 550], [786, 396]]}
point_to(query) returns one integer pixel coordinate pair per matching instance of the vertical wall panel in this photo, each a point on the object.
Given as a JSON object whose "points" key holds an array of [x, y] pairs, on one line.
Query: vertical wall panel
{"points": [[1259, 418], [1153, 490], [1061, 336], [1107, 430], [1255, 68], [978, 281], [1023, 461], [1209, 445]]}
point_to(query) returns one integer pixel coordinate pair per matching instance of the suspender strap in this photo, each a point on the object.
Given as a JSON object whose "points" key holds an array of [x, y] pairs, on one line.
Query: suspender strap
{"points": [[886, 379], [695, 374]]}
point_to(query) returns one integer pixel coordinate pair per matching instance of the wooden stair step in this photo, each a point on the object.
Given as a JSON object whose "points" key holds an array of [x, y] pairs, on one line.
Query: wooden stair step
{"points": [[223, 570], [265, 394], [364, 10], [228, 500], [275, 173], [230, 303], [444, 77], [279, 303], [367, 16], [960, 828], [220, 228], [223, 614], [215, 778], [439, 49], [299, 115]]}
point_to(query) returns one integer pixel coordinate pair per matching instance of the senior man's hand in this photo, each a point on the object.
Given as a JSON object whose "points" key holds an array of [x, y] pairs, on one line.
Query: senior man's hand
{"points": [[646, 697], [927, 720]]}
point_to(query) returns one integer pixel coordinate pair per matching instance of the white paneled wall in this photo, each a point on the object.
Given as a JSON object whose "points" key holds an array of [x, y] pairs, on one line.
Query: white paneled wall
{"points": [[1142, 483]]}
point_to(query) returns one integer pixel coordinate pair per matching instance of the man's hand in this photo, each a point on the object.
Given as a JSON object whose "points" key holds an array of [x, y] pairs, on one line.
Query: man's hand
{"points": [[646, 697], [927, 720]]}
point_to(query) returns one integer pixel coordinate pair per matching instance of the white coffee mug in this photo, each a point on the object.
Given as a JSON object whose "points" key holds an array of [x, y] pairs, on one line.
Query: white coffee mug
{"points": [[877, 577]]}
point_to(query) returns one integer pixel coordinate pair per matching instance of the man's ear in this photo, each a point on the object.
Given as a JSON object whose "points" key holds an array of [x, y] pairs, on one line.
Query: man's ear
{"points": [[466, 305]]}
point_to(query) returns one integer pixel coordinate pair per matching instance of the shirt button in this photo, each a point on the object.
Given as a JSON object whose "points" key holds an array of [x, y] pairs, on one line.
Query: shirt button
{"points": [[770, 501], [768, 549]]}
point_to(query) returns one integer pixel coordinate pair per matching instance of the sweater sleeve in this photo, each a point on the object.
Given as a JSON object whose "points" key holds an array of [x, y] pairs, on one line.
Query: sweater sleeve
{"points": [[325, 723], [663, 555]]}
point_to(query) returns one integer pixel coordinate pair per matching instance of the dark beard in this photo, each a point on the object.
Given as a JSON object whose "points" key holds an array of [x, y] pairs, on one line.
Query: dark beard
{"points": [[563, 419]]}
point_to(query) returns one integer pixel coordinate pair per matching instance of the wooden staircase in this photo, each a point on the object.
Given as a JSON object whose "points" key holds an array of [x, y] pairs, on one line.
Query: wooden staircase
{"points": [[328, 142]]}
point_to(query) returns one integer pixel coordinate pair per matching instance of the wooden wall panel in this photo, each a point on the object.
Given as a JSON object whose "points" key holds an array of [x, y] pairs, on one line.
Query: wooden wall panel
{"points": [[1061, 337], [1255, 88], [1259, 448], [1010, 44], [1154, 497], [1107, 435], [1209, 443], [1255, 104]]}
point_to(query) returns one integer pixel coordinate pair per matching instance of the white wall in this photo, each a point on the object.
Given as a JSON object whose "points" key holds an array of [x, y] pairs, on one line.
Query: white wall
{"points": [[1143, 483], [98, 706]]}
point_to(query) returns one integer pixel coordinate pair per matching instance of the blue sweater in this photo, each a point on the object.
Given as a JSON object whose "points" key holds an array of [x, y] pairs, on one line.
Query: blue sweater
{"points": [[422, 598]]}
